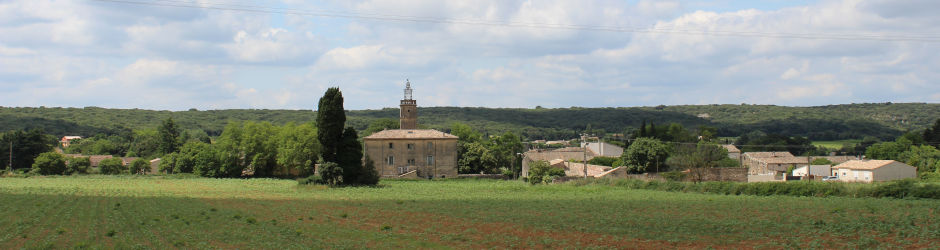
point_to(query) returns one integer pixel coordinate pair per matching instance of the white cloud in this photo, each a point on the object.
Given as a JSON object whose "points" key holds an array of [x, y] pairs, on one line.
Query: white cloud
{"points": [[185, 57]]}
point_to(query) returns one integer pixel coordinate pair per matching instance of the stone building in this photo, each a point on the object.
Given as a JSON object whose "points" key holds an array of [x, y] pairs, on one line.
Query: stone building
{"points": [[409, 151]]}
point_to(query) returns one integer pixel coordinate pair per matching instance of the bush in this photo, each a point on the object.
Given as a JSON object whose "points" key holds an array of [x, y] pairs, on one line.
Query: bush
{"points": [[111, 166], [604, 161], [77, 165], [331, 173], [311, 180], [541, 172], [927, 191], [368, 175], [139, 166], [49, 163]]}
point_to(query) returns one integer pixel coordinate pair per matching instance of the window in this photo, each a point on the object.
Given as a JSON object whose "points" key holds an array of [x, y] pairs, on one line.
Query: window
{"points": [[411, 146], [411, 162], [430, 146], [430, 160], [391, 160], [402, 170], [391, 145]]}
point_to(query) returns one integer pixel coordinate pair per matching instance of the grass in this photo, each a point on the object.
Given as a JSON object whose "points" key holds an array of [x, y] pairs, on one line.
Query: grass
{"points": [[156, 212], [836, 144]]}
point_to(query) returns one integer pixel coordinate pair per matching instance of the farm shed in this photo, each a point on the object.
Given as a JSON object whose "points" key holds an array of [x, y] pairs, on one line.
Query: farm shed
{"points": [[874, 170]]}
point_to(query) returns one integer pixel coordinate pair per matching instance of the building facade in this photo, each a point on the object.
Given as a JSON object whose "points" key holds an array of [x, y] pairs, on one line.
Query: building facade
{"points": [[412, 152], [874, 170]]}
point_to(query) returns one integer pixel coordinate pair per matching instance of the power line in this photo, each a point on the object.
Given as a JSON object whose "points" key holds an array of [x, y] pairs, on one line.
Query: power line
{"points": [[618, 29]]}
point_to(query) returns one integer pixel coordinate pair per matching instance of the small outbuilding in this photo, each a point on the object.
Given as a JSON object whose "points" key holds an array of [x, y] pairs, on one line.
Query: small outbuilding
{"points": [[874, 170]]}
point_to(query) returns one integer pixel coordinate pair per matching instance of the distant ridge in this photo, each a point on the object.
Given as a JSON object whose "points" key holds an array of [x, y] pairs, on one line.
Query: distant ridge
{"points": [[831, 122]]}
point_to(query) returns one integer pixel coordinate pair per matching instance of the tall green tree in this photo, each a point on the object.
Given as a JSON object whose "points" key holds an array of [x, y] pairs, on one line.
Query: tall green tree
{"points": [[331, 120], [297, 148], [27, 145], [231, 158], [932, 134], [49, 163], [697, 156], [888, 150], [259, 146], [645, 154], [169, 135], [923, 157], [349, 156]]}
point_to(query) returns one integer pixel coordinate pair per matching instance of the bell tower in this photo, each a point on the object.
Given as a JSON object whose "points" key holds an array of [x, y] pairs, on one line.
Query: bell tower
{"points": [[408, 117]]}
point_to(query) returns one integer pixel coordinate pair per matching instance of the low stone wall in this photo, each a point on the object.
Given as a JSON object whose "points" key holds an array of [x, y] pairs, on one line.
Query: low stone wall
{"points": [[764, 178], [719, 174]]}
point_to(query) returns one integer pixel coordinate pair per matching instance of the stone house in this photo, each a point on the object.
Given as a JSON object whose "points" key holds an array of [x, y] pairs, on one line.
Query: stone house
{"points": [[409, 151], [733, 152], [548, 155]]}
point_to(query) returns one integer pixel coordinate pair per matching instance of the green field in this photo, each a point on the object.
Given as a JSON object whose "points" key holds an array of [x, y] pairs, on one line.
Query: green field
{"points": [[166, 212], [835, 144]]}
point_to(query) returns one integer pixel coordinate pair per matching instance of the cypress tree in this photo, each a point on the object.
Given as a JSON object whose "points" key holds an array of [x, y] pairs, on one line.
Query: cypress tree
{"points": [[169, 137], [331, 118], [642, 130], [350, 156]]}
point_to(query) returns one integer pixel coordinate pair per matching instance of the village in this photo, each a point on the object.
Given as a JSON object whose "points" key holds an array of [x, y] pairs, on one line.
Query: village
{"points": [[412, 153]]}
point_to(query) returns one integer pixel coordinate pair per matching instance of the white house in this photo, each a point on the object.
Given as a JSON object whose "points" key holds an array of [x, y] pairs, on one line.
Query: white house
{"points": [[604, 149], [874, 170], [817, 170]]}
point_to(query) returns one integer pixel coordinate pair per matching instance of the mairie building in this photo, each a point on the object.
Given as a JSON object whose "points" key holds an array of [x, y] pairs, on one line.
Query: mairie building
{"points": [[410, 152]]}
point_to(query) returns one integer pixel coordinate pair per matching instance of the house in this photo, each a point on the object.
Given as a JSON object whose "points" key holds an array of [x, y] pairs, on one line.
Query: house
{"points": [[771, 163], [67, 140], [874, 170], [409, 151], [603, 149], [815, 170], [547, 155], [733, 152]]}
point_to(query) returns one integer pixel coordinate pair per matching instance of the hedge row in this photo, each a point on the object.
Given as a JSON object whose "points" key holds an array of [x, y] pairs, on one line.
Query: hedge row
{"points": [[895, 189]]}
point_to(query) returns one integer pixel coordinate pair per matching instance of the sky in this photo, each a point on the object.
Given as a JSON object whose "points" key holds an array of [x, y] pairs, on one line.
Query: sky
{"points": [[241, 54]]}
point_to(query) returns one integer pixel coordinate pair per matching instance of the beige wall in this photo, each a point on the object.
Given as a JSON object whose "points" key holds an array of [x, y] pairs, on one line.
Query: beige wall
{"points": [[894, 171], [444, 152]]}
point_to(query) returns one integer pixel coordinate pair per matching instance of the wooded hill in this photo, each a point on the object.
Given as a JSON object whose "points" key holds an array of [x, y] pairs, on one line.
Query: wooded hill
{"points": [[833, 122]]}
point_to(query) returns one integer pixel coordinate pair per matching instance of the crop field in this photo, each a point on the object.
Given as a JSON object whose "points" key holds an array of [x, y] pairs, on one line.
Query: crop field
{"points": [[167, 212], [835, 144]]}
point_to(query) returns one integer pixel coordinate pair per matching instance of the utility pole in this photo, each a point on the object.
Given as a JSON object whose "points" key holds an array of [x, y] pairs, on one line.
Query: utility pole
{"points": [[584, 159]]}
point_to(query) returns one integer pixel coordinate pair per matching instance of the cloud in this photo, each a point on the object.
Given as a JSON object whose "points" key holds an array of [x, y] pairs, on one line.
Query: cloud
{"points": [[84, 53]]}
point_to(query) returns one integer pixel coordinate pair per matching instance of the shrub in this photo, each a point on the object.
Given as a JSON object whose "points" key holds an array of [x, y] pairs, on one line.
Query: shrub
{"points": [[331, 173], [77, 165], [49, 163], [895, 189], [541, 172], [139, 166], [927, 191], [368, 175], [111, 166], [311, 180]]}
